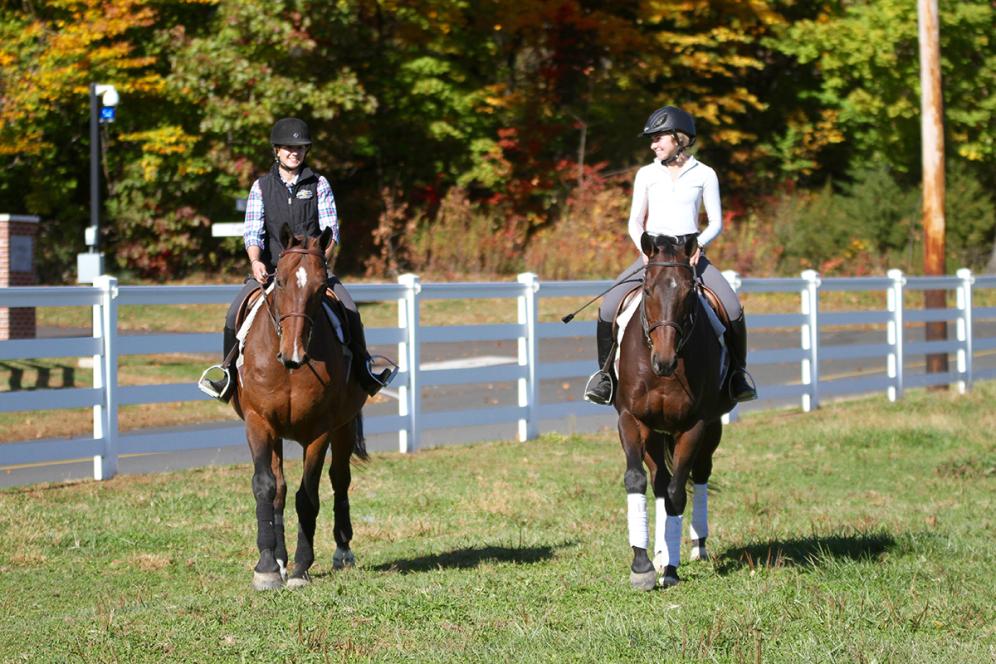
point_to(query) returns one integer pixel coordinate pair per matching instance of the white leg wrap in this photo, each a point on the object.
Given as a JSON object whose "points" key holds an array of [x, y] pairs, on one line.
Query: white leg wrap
{"points": [[699, 527], [636, 504], [667, 536]]}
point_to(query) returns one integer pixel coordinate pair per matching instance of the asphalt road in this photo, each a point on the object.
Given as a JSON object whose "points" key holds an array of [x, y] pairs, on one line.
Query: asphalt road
{"points": [[501, 394]]}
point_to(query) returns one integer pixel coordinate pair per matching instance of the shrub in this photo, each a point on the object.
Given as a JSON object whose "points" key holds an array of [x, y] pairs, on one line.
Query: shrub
{"points": [[589, 239], [969, 218]]}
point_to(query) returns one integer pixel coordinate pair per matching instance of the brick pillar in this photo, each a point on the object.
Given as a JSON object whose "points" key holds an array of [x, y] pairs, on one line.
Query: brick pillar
{"points": [[17, 268]]}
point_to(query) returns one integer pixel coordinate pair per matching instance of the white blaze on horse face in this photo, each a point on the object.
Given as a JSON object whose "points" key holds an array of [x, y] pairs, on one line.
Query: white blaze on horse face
{"points": [[302, 277]]}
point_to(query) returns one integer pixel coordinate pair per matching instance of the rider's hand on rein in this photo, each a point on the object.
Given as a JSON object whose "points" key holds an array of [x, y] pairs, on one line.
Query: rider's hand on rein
{"points": [[259, 271]]}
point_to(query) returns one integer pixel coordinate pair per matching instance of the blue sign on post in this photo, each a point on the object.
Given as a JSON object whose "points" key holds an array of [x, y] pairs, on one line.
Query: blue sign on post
{"points": [[107, 114]]}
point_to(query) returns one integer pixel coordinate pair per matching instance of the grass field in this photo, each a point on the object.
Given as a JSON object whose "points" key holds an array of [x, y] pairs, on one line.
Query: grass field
{"points": [[863, 532]]}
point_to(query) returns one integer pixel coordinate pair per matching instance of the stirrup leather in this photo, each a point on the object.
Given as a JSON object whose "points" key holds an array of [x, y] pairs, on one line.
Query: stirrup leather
{"points": [[218, 388], [593, 381]]}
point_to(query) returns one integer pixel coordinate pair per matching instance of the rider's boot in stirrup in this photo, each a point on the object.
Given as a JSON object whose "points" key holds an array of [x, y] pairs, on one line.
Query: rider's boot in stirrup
{"points": [[741, 384], [371, 380], [601, 384], [217, 380]]}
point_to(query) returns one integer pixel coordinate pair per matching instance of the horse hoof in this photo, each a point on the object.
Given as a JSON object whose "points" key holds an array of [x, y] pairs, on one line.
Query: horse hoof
{"points": [[267, 581], [699, 553], [643, 580], [670, 577], [299, 581], [343, 558]]}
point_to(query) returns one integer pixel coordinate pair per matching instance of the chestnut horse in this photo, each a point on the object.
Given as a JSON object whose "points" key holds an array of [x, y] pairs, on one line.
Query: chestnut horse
{"points": [[296, 382], [670, 400]]}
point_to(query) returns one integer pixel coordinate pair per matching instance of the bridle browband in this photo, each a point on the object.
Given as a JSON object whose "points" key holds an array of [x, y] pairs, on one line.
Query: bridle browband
{"points": [[278, 320], [683, 331]]}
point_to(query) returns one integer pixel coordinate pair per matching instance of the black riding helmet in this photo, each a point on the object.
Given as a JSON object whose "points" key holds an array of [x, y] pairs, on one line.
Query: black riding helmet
{"points": [[670, 119], [290, 131]]}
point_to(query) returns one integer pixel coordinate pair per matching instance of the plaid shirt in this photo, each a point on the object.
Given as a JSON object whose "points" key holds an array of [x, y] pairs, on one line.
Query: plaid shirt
{"points": [[255, 229]]}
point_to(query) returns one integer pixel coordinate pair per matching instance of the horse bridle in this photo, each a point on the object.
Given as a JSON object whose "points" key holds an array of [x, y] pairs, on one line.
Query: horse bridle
{"points": [[278, 321], [683, 331]]}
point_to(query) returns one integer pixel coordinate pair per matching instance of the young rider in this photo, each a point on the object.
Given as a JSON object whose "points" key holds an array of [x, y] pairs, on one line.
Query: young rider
{"points": [[309, 209], [667, 196]]}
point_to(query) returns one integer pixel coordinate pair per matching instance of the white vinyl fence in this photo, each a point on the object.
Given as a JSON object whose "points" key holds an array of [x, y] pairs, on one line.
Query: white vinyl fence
{"points": [[107, 344]]}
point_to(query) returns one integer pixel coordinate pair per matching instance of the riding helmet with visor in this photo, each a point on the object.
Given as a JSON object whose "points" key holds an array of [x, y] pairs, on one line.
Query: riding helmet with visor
{"points": [[290, 131], [670, 119]]}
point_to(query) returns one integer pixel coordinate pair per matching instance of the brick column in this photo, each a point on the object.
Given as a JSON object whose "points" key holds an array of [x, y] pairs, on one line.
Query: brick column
{"points": [[17, 268]]}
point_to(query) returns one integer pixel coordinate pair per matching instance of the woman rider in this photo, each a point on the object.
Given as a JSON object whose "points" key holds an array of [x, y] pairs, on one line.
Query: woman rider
{"points": [[290, 193], [667, 196]]}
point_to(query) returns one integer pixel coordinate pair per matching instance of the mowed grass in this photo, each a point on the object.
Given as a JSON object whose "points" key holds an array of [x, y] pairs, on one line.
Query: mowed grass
{"points": [[862, 532]]}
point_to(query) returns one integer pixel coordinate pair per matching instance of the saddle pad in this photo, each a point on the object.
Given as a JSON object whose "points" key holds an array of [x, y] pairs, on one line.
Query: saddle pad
{"points": [[251, 315], [629, 308], [247, 323], [334, 320], [626, 312]]}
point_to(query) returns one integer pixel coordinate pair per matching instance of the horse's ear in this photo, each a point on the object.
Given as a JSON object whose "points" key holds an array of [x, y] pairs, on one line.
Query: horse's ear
{"points": [[325, 242], [691, 244], [286, 236], [647, 244]]}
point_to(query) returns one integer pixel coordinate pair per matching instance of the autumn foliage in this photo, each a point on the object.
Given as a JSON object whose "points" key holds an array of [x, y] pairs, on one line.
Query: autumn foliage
{"points": [[484, 137]]}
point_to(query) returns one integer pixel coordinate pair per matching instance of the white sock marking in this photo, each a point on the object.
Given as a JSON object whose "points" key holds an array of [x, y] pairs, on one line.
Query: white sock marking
{"points": [[667, 535], [699, 527], [637, 514]]}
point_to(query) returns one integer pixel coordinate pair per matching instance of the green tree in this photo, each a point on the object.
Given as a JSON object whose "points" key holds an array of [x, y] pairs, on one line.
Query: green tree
{"points": [[49, 54], [868, 94]]}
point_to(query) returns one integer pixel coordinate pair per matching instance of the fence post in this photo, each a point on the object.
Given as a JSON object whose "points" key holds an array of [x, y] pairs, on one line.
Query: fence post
{"points": [[895, 333], [964, 327], [409, 354], [528, 355], [735, 283], [810, 333], [105, 378]]}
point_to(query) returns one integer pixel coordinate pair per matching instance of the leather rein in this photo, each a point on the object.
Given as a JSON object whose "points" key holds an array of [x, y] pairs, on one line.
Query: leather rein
{"points": [[683, 331], [278, 320]]}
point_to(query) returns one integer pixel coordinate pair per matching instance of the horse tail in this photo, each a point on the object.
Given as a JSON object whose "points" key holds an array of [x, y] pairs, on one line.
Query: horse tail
{"points": [[360, 442]]}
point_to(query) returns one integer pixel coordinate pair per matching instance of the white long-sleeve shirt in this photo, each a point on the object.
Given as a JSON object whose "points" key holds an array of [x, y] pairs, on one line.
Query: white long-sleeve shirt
{"points": [[663, 206]]}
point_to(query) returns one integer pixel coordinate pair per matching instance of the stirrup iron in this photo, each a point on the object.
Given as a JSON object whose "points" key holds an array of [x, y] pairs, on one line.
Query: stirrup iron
{"points": [[593, 380], [219, 388], [749, 380], [393, 370]]}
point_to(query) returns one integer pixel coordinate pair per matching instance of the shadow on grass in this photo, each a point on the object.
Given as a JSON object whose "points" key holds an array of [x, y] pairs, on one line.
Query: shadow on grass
{"points": [[809, 552], [470, 557]]}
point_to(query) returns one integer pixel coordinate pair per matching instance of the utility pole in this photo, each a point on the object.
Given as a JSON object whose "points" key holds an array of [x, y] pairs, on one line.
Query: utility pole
{"points": [[932, 155]]}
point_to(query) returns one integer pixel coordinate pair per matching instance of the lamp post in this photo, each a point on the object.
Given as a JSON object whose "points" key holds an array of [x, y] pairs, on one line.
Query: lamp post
{"points": [[103, 102]]}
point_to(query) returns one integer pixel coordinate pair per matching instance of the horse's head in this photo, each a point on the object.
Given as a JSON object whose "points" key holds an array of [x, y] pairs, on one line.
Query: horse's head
{"points": [[667, 312], [299, 283]]}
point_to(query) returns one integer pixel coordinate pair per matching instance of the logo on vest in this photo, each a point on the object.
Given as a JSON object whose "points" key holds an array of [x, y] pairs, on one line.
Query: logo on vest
{"points": [[304, 194]]}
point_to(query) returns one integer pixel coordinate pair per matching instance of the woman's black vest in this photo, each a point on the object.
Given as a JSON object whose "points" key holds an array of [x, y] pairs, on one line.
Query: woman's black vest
{"points": [[297, 206]]}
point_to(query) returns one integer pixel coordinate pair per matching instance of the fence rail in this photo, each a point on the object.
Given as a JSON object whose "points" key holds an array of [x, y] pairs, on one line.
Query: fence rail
{"points": [[106, 344]]}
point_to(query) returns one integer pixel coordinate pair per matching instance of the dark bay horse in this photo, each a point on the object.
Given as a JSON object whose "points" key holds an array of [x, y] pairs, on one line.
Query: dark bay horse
{"points": [[670, 400], [296, 382]]}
